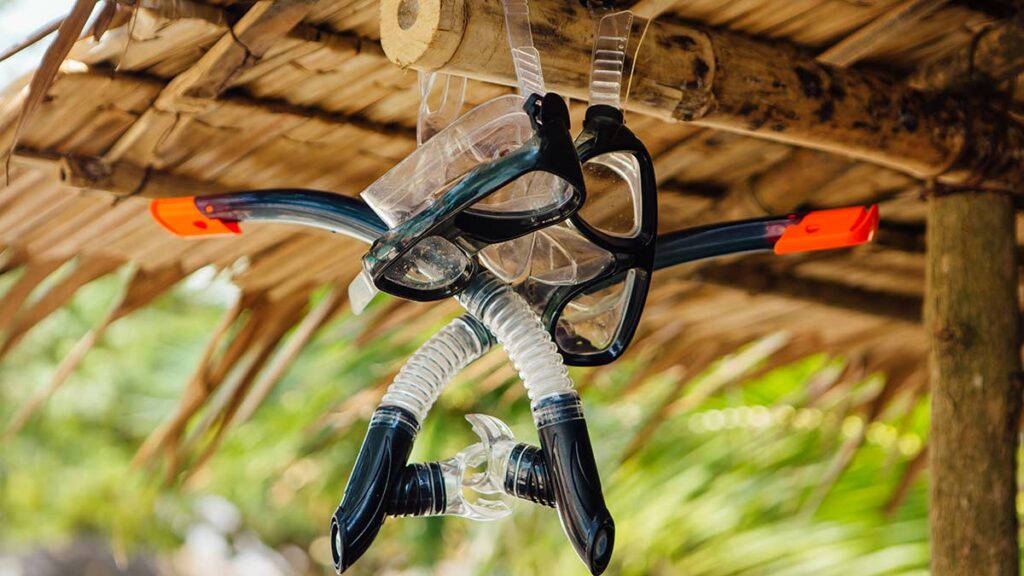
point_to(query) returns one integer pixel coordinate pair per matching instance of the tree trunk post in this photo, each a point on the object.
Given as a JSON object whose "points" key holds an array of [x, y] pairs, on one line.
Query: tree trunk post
{"points": [[971, 316]]}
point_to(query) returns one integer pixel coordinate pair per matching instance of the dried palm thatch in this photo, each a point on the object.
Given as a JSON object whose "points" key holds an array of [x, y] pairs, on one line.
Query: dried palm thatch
{"points": [[177, 97]]}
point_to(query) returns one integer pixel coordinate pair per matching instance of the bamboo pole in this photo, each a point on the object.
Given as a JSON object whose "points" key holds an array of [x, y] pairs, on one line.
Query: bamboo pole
{"points": [[972, 326], [718, 79]]}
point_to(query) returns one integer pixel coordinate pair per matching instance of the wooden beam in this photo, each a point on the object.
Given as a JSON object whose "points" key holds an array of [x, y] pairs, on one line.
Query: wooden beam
{"points": [[119, 178], [973, 330], [719, 79], [995, 55]]}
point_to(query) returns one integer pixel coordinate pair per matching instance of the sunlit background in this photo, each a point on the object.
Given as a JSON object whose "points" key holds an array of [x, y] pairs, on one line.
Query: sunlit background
{"points": [[739, 470], [18, 18]]}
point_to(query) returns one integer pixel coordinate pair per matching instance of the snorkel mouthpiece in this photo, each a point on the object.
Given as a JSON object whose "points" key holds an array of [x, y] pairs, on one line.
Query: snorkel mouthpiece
{"points": [[569, 456], [378, 471]]}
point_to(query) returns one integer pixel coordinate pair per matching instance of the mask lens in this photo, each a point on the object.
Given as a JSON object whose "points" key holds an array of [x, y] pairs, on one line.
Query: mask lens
{"points": [[613, 194], [589, 322], [562, 256], [510, 261], [430, 265]]}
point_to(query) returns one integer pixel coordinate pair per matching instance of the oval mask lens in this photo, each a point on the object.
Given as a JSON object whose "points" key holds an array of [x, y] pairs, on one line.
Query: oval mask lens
{"points": [[613, 194], [589, 322], [430, 265]]}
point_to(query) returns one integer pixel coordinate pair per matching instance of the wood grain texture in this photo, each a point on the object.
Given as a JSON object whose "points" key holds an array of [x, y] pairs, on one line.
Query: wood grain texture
{"points": [[972, 328]]}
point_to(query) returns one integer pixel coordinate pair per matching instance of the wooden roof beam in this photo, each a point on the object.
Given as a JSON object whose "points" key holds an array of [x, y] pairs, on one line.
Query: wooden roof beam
{"points": [[722, 80], [118, 179]]}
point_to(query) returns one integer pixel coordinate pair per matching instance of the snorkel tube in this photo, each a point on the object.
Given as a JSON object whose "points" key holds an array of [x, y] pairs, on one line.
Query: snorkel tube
{"points": [[556, 407], [380, 466], [557, 413]]}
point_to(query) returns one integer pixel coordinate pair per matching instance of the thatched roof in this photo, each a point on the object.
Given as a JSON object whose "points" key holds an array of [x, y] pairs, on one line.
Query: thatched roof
{"points": [[318, 105]]}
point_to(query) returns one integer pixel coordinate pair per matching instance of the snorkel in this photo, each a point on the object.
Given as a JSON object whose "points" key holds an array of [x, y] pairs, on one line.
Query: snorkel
{"points": [[556, 406], [557, 413], [380, 467], [517, 469]]}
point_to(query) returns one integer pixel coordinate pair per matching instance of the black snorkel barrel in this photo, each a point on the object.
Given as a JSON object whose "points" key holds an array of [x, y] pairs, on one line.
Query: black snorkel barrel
{"points": [[378, 472], [574, 480]]}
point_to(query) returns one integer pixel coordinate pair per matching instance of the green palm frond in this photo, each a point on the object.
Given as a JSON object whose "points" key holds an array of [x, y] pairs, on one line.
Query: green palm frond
{"points": [[707, 476]]}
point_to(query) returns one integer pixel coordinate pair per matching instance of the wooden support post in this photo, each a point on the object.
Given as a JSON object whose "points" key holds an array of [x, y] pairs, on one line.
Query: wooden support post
{"points": [[718, 79], [972, 325]]}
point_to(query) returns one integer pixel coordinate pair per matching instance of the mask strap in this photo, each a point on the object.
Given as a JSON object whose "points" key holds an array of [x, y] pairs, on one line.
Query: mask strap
{"points": [[453, 94], [608, 65], [645, 24], [525, 57]]}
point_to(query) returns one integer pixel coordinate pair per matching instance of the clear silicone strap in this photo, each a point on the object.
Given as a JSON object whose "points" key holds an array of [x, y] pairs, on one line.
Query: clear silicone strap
{"points": [[609, 59], [453, 95], [520, 39], [361, 291]]}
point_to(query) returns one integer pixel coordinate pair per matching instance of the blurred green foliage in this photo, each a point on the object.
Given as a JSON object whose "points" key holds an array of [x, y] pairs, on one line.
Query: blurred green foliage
{"points": [[722, 488]]}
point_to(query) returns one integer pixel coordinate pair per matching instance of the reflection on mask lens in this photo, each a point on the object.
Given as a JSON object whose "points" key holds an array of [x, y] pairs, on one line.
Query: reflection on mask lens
{"points": [[431, 264], [562, 256], [613, 194], [589, 322], [510, 260]]}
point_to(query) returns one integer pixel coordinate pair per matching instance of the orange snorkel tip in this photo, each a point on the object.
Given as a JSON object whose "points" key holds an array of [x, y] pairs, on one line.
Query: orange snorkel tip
{"points": [[181, 217], [830, 229]]}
